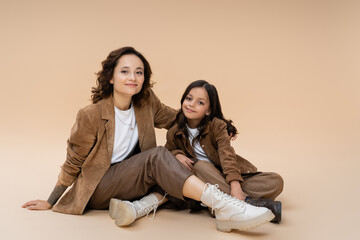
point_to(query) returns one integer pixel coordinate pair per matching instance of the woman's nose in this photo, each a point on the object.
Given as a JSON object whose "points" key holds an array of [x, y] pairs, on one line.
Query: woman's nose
{"points": [[131, 76]]}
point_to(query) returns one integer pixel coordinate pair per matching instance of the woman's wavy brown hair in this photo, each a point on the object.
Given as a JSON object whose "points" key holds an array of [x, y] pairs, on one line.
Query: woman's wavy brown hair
{"points": [[104, 88]]}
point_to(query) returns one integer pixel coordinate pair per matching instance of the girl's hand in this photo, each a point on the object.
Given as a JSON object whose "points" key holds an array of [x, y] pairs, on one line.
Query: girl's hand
{"points": [[236, 190], [37, 205], [233, 136], [187, 162]]}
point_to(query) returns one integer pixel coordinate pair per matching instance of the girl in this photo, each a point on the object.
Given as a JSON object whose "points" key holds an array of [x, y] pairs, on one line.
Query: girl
{"points": [[199, 140], [112, 154]]}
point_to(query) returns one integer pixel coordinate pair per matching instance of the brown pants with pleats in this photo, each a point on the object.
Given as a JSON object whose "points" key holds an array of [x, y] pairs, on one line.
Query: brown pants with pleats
{"points": [[256, 185], [133, 178]]}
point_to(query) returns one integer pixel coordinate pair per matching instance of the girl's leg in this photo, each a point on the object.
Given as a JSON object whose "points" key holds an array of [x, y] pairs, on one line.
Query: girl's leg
{"points": [[263, 185]]}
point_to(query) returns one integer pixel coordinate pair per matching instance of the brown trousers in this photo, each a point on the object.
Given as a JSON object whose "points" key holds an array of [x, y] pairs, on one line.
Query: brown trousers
{"points": [[257, 185], [134, 177]]}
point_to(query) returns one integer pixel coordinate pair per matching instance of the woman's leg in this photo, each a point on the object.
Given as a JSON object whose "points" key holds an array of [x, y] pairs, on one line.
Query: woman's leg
{"points": [[208, 173], [159, 166], [231, 213], [134, 177]]}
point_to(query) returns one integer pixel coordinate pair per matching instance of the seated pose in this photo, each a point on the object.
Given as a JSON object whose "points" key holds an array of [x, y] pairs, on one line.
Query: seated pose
{"points": [[199, 140], [112, 155]]}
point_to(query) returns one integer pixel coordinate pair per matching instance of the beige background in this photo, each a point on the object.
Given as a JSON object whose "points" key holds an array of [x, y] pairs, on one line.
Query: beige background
{"points": [[287, 73]]}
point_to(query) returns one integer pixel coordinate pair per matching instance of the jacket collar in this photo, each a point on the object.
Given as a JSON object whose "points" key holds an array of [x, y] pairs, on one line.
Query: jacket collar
{"points": [[179, 132], [108, 114], [108, 111]]}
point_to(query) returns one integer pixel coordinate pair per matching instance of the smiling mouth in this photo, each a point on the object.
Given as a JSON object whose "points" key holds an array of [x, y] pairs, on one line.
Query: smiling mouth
{"points": [[189, 110], [131, 85]]}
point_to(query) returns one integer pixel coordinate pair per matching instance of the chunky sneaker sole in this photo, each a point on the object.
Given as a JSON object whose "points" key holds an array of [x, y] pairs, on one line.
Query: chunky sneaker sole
{"points": [[277, 209], [122, 211], [113, 210], [227, 226]]}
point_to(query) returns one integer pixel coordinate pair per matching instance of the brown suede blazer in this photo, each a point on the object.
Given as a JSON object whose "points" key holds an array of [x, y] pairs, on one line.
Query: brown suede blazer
{"points": [[215, 142], [90, 147]]}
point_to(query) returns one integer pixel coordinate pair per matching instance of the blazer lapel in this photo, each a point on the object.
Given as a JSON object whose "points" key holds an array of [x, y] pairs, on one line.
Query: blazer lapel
{"points": [[108, 114], [140, 113]]}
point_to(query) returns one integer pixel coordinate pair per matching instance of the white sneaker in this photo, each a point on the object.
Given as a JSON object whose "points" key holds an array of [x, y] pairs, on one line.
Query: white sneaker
{"points": [[126, 212], [232, 213]]}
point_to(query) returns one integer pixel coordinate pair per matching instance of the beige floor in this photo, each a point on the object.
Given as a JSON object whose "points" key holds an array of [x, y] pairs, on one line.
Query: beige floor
{"points": [[315, 206], [287, 73]]}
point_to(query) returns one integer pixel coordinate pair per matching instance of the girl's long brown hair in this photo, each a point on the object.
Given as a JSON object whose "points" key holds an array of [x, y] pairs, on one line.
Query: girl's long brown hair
{"points": [[215, 110]]}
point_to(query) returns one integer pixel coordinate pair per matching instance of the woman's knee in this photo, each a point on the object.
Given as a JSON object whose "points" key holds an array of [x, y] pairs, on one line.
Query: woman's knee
{"points": [[159, 150]]}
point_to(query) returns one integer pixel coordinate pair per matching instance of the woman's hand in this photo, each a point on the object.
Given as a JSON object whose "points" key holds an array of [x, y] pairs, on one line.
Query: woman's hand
{"points": [[187, 162], [236, 190], [37, 205]]}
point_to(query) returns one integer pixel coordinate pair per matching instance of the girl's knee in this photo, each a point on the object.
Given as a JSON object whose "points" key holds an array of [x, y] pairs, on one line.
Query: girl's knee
{"points": [[278, 182]]}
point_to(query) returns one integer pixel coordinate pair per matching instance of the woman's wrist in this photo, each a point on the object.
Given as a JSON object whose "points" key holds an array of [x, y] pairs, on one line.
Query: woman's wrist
{"points": [[56, 194]]}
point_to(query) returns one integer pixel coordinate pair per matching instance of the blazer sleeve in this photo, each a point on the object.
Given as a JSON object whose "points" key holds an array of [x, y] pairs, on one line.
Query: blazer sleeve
{"points": [[226, 152], [164, 116], [82, 139]]}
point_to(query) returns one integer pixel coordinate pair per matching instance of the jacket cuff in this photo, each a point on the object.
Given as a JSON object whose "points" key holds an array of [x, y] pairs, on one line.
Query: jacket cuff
{"points": [[177, 151], [233, 177]]}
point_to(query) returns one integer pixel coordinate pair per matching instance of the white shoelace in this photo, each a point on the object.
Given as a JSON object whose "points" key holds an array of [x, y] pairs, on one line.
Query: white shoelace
{"points": [[227, 198], [147, 210]]}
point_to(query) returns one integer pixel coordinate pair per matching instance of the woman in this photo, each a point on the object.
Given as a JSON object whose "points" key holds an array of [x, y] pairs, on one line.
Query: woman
{"points": [[112, 153]]}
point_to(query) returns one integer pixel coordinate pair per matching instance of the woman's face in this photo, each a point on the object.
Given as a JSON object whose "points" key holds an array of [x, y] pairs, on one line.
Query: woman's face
{"points": [[196, 106], [128, 76]]}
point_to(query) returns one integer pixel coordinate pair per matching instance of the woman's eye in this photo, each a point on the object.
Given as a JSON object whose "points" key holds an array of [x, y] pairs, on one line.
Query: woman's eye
{"points": [[124, 71], [139, 73]]}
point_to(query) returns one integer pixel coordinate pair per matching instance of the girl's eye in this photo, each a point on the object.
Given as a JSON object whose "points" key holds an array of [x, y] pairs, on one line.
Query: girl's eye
{"points": [[201, 103], [139, 73], [124, 71], [188, 98]]}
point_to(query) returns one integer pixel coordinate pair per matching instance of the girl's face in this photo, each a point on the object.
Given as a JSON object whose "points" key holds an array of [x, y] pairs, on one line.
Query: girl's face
{"points": [[128, 76], [196, 106]]}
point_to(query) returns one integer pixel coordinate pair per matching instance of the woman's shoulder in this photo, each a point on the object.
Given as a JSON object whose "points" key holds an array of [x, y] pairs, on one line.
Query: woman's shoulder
{"points": [[91, 108], [94, 110]]}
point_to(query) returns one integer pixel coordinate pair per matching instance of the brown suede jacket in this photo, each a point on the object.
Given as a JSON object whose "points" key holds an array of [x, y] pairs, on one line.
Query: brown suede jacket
{"points": [[90, 147], [215, 142]]}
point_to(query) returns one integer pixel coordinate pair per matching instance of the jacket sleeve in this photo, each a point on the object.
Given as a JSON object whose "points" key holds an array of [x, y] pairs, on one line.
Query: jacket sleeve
{"points": [[170, 143], [226, 152], [164, 116], [81, 141]]}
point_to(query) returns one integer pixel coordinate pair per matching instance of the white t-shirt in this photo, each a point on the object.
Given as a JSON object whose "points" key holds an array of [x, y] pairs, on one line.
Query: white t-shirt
{"points": [[126, 134], [199, 152]]}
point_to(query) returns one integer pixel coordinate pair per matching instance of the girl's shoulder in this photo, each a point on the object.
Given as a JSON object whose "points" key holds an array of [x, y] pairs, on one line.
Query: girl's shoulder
{"points": [[174, 129], [217, 123]]}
